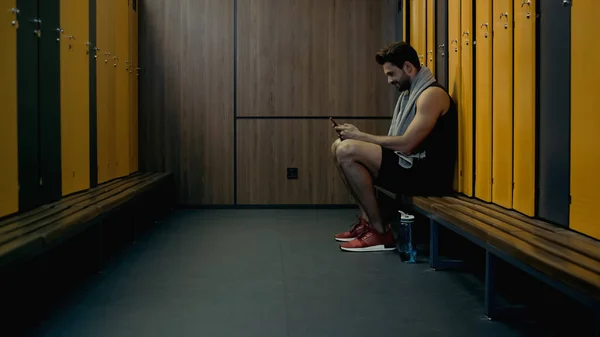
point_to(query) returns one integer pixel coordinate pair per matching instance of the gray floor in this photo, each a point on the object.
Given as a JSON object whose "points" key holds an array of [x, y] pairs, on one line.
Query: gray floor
{"points": [[267, 273]]}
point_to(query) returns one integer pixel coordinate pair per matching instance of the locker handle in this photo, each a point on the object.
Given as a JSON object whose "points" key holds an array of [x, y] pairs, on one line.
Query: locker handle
{"points": [[526, 2], [566, 2], [15, 11], [453, 41], [503, 15], [441, 46], [465, 33], [484, 25]]}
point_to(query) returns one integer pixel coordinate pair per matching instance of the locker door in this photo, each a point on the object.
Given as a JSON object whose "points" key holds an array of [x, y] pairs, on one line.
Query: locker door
{"points": [[111, 90], [27, 103], [94, 56], [466, 98], [431, 35], [49, 105], [524, 107], [418, 28], [555, 112], [441, 42], [454, 60], [585, 120], [9, 179], [483, 100], [502, 142], [75, 94], [102, 69], [122, 85], [134, 74]]}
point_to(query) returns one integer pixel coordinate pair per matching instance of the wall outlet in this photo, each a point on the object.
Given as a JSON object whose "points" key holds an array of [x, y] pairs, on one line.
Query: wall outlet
{"points": [[292, 173]]}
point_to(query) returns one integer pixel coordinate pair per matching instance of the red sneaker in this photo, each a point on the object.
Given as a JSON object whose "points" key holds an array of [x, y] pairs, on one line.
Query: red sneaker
{"points": [[371, 241], [358, 228]]}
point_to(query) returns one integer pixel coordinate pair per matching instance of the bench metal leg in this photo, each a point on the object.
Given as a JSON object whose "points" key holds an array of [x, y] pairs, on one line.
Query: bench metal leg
{"points": [[490, 285], [435, 262]]}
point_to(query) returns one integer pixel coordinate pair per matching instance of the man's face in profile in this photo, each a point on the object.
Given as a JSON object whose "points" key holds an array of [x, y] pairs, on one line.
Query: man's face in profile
{"points": [[396, 76]]}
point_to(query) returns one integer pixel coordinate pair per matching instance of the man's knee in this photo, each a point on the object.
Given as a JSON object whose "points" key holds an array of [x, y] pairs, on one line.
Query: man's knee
{"points": [[334, 147], [347, 150]]}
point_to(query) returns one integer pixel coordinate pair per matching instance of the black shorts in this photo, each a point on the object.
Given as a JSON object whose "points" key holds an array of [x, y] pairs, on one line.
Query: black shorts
{"points": [[418, 180]]}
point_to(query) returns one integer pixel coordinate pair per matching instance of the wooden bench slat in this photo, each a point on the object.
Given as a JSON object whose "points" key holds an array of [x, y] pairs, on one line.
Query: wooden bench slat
{"points": [[57, 207], [560, 236], [538, 241], [548, 263], [59, 230], [9, 219], [31, 227]]}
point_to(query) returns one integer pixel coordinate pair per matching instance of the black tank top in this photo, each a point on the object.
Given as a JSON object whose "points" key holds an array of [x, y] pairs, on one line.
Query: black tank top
{"points": [[441, 148]]}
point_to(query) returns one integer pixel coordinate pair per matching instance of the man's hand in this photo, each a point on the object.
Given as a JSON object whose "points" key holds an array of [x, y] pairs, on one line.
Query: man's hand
{"points": [[348, 131]]}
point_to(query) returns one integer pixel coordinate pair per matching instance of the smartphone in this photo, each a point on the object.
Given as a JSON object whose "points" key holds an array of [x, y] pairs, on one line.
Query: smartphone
{"points": [[333, 121]]}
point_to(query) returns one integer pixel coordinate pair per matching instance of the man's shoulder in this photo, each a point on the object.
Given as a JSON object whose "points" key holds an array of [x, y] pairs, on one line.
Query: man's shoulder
{"points": [[434, 98]]}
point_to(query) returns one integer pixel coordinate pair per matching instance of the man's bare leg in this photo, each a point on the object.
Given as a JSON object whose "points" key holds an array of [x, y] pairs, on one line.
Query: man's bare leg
{"points": [[334, 148], [359, 163]]}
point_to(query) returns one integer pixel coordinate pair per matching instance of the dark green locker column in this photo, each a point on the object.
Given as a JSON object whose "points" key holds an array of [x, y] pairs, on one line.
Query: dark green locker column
{"points": [[554, 74], [27, 88], [441, 42], [49, 100]]}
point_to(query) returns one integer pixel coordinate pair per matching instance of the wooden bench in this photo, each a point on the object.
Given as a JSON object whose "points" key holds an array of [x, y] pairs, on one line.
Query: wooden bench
{"points": [[138, 197], [563, 259]]}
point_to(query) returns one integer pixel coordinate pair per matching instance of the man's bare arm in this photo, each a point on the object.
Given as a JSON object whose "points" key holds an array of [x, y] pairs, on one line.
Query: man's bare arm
{"points": [[432, 103]]}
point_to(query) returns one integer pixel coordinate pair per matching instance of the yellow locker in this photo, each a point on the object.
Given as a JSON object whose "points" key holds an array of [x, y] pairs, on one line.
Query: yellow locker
{"points": [[483, 100], [134, 98], [454, 59], [431, 48], [466, 96], [74, 101], [524, 107], [112, 64], [122, 88], [102, 70], [9, 179], [502, 82], [585, 120], [418, 28]]}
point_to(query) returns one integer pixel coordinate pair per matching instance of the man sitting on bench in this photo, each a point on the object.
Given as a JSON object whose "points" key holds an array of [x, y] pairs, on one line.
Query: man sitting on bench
{"points": [[417, 157]]}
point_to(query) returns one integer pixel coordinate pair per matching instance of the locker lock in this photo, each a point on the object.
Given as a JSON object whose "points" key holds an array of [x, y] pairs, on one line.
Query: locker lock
{"points": [[503, 15], [486, 29], [528, 3], [455, 48], [15, 21]]}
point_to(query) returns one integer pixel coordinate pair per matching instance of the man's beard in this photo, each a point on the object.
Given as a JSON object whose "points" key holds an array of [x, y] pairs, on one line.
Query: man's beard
{"points": [[402, 86]]}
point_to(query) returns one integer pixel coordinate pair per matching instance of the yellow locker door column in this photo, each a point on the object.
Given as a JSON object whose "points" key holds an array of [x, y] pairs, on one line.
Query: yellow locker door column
{"points": [[418, 28], [102, 68], [74, 73], [483, 100], [9, 179], [431, 48], [122, 85], [454, 59], [466, 97], [585, 119], [112, 104], [502, 142], [524, 107]]}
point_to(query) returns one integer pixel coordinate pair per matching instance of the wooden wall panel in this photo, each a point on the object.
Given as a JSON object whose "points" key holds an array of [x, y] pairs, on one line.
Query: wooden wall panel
{"points": [[502, 158], [186, 96], [9, 166], [483, 100], [585, 120], [466, 97], [267, 147], [524, 107], [75, 94], [313, 58]]}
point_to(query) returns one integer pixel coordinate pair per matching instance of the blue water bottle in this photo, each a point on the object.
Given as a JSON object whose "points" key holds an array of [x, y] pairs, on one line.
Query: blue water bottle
{"points": [[405, 246]]}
